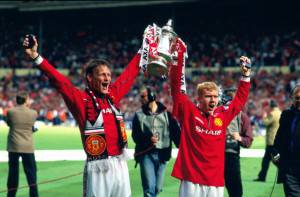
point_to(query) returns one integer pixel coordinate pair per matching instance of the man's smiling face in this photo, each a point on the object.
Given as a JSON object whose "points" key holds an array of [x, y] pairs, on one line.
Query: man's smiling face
{"points": [[99, 80]]}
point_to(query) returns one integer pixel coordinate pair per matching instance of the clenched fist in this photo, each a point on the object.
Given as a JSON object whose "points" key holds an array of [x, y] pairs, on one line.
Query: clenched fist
{"points": [[30, 45], [245, 64]]}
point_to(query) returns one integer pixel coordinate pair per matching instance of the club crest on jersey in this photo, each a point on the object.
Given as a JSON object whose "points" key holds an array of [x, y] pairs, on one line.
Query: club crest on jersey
{"points": [[218, 122], [95, 145]]}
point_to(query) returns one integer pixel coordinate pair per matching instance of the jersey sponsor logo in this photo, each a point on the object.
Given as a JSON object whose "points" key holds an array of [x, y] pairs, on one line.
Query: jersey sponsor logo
{"points": [[208, 132], [107, 110], [218, 122], [95, 145]]}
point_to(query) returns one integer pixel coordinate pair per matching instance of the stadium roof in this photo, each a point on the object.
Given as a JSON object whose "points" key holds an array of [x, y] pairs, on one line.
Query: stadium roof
{"points": [[31, 6]]}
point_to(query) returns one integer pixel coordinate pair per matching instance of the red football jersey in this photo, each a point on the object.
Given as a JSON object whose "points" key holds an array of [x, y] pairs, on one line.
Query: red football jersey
{"points": [[202, 142], [78, 101]]}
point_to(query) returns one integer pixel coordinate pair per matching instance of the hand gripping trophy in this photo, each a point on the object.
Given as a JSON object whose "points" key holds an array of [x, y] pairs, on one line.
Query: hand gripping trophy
{"points": [[159, 59]]}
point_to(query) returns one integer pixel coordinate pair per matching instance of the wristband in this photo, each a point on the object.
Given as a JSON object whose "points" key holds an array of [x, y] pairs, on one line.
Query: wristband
{"points": [[38, 60], [245, 76]]}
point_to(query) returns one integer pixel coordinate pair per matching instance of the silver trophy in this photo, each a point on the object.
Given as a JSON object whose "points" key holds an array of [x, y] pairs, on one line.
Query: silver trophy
{"points": [[158, 65]]}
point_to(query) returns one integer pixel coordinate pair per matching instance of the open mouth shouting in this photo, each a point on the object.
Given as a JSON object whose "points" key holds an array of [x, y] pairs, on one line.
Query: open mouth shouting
{"points": [[104, 87], [211, 106]]}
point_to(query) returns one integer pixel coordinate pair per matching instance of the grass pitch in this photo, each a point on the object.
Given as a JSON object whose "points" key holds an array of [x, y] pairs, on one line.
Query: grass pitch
{"points": [[67, 138], [64, 178]]}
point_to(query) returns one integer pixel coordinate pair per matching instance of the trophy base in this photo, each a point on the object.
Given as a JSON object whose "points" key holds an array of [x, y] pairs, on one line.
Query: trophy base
{"points": [[157, 68]]}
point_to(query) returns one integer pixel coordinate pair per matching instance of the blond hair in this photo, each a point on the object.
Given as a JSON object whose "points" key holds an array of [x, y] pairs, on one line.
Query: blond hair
{"points": [[207, 85]]}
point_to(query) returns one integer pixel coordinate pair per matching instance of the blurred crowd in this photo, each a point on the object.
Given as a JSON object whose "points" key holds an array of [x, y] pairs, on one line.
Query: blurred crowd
{"points": [[70, 50]]}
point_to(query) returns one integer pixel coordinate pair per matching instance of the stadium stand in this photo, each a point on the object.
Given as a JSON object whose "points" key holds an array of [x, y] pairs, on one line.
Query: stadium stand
{"points": [[70, 36]]}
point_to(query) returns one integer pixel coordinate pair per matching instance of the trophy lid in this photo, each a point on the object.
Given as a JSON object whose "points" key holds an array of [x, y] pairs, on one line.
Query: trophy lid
{"points": [[169, 27], [170, 23]]}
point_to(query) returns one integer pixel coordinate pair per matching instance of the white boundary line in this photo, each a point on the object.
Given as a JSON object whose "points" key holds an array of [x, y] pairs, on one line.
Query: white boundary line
{"points": [[78, 155]]}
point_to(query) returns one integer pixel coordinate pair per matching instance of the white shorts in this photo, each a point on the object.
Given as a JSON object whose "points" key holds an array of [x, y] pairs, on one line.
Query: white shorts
{"points": [[189, 189], [106, 177]]}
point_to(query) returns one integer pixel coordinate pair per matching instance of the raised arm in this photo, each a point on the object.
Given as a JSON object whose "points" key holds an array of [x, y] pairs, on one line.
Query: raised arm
{"points": [[242, 93], [124, 82], [177, 79], [59, 81], [177, 75]]}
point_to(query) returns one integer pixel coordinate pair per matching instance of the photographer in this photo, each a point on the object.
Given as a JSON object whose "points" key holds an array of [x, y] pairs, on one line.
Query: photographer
{"points": [[153, 130]]}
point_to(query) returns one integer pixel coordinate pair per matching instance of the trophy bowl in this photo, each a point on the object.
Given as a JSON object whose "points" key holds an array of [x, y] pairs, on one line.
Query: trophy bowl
{"points": [[158, 67], [158, 64]]}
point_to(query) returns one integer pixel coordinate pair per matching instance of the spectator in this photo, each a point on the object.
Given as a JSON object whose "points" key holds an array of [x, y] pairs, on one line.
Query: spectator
{"points": [[271, 116], [20, 120]]}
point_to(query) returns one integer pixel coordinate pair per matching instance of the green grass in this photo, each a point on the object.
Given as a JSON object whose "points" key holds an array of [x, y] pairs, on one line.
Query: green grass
{"points": [[72, 186], [59, 138], [54, 138], [66, 138]]}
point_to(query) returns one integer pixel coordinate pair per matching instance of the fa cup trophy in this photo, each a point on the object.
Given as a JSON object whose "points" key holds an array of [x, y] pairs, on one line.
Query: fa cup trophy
{"points": [[158, 64]]}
